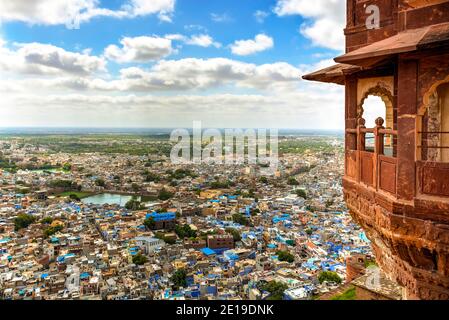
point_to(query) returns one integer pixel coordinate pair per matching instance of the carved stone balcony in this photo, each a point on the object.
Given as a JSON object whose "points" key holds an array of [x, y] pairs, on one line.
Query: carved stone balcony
{"points": [[410, 238]]}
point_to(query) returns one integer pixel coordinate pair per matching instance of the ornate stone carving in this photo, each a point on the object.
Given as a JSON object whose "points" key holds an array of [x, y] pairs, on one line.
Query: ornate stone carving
{"points": [[433, 125], [403, 246]]}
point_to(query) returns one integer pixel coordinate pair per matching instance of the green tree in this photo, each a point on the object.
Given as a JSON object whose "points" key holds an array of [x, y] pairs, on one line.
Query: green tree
{"points": [[173, 183], [47, 220], [240, 219], [135, 187], [179, 279], [164, 194], [52, 230], [249, 194], [162, 236], [329, 276], [74, 197], [292, 181], [169, 240], [149, 223], [184, 231], [276, 290], [139, 259], [64, 184], [133, 204], [310, 208], [152, 177], [301, 193], [180, 174], [285, 256], [23, 221], [67, 166], [235, 234], [220, 184], [100, 182]]}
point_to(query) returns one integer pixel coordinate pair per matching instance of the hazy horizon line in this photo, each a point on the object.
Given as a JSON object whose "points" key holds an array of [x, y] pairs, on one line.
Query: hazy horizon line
{"points": [[155, 128]]}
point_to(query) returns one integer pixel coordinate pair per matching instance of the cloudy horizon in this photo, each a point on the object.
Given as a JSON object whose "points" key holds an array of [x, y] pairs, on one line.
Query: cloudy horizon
{"points": [[167, 63]]}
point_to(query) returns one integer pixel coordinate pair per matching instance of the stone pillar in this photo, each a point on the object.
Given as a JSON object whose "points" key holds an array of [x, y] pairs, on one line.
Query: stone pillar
{"points": [[407, 108], [350, 13], [351, 111]]}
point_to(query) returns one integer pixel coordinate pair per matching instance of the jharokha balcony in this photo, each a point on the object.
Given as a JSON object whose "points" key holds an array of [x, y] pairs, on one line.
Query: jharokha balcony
{"points": [[396, 180]]}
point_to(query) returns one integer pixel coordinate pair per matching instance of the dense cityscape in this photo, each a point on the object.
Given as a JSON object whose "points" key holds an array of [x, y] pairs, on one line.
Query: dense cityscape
{"points": [[95, 217], [124, 175]]}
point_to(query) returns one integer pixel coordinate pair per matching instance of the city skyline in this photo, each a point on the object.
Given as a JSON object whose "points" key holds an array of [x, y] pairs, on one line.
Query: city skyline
{"points": [[134, 64], [211, 153]]}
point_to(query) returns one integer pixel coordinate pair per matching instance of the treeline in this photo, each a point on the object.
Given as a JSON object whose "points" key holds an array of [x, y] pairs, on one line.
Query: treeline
{"points": [[66, 185]]}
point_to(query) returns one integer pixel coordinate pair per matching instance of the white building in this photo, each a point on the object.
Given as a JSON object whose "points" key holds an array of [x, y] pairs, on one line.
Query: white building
{"points": [[148, 244]]}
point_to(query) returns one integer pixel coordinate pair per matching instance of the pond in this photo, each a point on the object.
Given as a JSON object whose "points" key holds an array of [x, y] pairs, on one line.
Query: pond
{"points": [[108, 198]]}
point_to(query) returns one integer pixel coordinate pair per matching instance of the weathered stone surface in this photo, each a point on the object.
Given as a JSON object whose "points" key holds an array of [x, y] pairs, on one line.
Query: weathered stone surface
{"points": [[412, 251], [401, 200]]}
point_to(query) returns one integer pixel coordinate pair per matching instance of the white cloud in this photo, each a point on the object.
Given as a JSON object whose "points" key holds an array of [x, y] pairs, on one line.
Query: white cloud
{"points": [[146, 48], [220, 17], [164, 8], [290, 110], [139, 49], [190, 100], [181, 75], [202, 40], [309, 68], [260, 16], [175, 37], [144, 7], [191, 73], [44, 59], [57, 12], [327, 20], [50, 12], [77, 93], [260, 43], [195, 27]]}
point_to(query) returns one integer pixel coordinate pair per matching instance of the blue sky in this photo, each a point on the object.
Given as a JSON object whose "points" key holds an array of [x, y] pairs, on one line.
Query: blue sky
{"points": [[166, 63]]}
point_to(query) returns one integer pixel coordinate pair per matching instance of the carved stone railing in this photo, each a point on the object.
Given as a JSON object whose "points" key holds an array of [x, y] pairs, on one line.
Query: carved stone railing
{"points": [[372, 168], [433, 178], [432, 166]]}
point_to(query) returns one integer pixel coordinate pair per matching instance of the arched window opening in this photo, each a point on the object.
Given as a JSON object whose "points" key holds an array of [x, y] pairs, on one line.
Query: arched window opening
{"points": [[435, 135], [373, 107]]}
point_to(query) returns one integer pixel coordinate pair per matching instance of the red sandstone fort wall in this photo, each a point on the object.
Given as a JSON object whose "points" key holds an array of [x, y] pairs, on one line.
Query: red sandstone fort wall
{"points": [[395, 16]]}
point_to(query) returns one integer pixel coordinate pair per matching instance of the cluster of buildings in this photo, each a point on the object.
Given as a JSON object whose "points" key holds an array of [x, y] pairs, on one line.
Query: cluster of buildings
{"points": [[223, 233]]}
